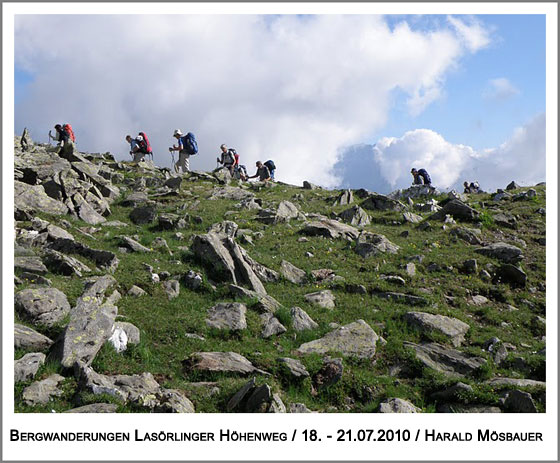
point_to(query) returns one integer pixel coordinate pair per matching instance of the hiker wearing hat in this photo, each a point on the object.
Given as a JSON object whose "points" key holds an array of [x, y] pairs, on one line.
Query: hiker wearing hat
{"points": [[262, 172], [228, 158], [135, 151], [421, 176], [186, 146], [64, 134]]}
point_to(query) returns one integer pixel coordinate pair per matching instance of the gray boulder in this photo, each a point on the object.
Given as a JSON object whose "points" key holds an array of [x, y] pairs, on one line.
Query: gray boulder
{"points": [[135, 199], [284, 213], [229, 192], [356, 339], [142, 215], [136, 291], [224, 229], [451, 328], [470, 235], [512, 186], [323, 298], [102, 258], [228, 362], [396, 405], [63, 264], [411, 217], [298, 408], [310, 186], [371, 244], [26, 367], [402, 298], [515, 382], [355, 216], [330, 373], [519, 402], [131, 244], [132, 332], [512, 275], [505, 220], [448, 361], [270, 325], [42, 305], [502, 251], [95, 408], [376, 202], [293, 367], [265, 302], [292, 273], [32, 198], [225, 260], [345, 198], [41, 392], [230, 316], [27, 338], [171, 288], [301, 321], [32, 264], [459, 210], [91, 324], [330, 229]]}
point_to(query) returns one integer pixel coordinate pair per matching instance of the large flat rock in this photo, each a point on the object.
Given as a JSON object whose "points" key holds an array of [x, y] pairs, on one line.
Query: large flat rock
{"points": [[356, 339], [28, 338], [448, 361], [229, 362], [451, 328], [46, 306]]}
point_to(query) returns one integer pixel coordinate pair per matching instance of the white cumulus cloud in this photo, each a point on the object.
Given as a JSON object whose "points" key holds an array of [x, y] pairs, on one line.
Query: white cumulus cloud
{"points": [[291, 88]]}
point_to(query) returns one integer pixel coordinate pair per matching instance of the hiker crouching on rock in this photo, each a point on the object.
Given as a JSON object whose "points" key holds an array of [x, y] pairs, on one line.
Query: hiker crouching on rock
{"points": [[228, 158], [187, 147], [135, 149], [421, 176], [262, 172]]}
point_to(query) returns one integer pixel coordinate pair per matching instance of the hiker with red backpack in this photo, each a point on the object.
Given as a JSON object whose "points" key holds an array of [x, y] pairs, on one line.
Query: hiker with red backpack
{"points": [[139, 147], [64, 134], [187, 147]]}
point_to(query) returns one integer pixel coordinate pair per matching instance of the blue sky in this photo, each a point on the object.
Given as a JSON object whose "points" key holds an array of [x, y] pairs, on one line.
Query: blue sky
{"points": [[464, 115], [305, 89]]}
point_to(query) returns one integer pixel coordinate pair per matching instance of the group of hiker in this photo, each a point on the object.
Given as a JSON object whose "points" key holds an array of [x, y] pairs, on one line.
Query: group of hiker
{"points": [[186, 146]]}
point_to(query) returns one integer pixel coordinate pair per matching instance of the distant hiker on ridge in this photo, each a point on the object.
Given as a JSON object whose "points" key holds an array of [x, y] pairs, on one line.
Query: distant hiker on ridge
{"points": [[186, 146], [229, 158], [262, 172], [421, 176], [474, 187]]}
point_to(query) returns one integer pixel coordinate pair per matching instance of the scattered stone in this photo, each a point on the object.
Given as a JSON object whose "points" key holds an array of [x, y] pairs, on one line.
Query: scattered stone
{"points": [[32, 264], [271, 325], [330, 229], [301, 321], [292, 273], [241, 395], [136, 291], [459, 210], [310, 186], [512, 186], [230, 316], [46, 306], [323, 298], [64, 265], [32, 198], [519, 402], [412, 218], [448, 361], [294, 367], [345, 198], [192, 280], [259, 399], [410, 269], [26, 367], [285, 212], [470, 235], [41, 392], [515, 382], [95, 408], [457, 391], [512, 275], [229, 362], [356, 339], [265, 302], [396, 405], [105, 259], [91, 324], [355, 216], [173, 401], [395, 279], [478, 300], [507, 253], [34, 279], [132, 244], [505, 220], [371, 244], [377, 202], [29, 339], [132, 332], [171, 288], [329, 374], [461, 408], [470, 267], [298, 408], [451, 328], [401, 298], [142, 215]]}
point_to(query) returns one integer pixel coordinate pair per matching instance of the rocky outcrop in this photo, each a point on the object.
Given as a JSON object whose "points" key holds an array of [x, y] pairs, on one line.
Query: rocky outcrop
{"points": [[323, 299], [448, 361], [458, 210], [355, 216], [46, 306], [284, 213], [291, 273], [371, 244], [301, 321], [377, 202], [355, 340], [451, 328], [502, 251], [91, 324], [330, 229]]}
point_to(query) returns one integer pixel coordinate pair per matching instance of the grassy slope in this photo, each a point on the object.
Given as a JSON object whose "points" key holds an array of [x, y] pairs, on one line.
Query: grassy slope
{"points": [[163, 324]]}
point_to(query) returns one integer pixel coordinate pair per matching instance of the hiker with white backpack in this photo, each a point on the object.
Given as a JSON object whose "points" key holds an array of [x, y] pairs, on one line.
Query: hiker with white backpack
{"points": [[186, 146]]}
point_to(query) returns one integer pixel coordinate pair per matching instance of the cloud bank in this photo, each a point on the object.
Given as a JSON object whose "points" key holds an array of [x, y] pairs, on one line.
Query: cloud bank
{"points": [[297, 89], [386, 165], [500, 89]]}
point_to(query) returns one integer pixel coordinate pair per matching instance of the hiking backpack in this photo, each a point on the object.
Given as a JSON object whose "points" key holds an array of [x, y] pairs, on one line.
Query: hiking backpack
{"points": [[231, 154], [144, 145], [270, 165], [189, 143], [68, 129]]}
